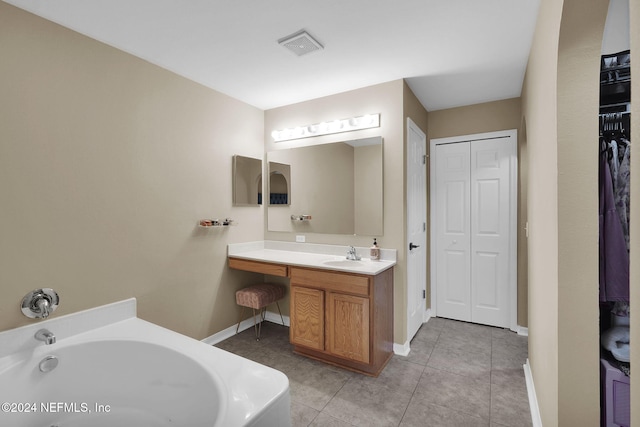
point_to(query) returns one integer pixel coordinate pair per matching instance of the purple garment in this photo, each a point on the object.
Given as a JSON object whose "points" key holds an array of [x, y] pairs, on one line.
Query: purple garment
{"points": [[614, 258], [621, 191]]}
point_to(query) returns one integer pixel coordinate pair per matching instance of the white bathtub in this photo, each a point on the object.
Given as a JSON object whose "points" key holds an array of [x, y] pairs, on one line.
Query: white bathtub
{"points": [[132, 373]]}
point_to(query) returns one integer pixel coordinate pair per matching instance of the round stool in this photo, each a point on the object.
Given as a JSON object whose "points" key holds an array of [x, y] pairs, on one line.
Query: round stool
{"points": [[258, 297]]}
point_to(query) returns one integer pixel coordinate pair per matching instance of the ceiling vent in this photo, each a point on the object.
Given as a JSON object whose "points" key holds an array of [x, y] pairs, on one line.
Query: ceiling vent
{"points": [[300, 43]]}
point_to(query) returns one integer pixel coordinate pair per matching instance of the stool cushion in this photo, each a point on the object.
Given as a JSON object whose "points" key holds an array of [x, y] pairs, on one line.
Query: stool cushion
{"points": [[258, 296]]}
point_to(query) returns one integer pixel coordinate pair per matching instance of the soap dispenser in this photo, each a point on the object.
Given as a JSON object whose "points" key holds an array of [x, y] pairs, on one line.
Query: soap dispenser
{"points": [[374, 252]]}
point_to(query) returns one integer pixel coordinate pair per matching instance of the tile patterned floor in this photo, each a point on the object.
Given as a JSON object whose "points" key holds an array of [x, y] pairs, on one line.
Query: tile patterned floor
{"points": [[457, 374]]}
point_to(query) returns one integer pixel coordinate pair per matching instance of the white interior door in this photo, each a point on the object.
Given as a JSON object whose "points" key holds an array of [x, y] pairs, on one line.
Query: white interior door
{"points": [[474, 221], [490, 234], [416, 228], [453, 234]]}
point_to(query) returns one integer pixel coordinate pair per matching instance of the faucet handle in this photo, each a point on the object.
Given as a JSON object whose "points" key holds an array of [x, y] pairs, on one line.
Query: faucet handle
{"points": [[40, 303], [43, 306]]}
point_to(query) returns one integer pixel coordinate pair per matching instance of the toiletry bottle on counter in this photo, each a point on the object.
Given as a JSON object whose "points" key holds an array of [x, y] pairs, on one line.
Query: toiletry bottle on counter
{"points": [[374, 252]]}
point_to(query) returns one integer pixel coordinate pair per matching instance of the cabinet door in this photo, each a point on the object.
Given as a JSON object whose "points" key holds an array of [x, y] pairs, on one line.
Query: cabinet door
{"points": [[348, 326], [307, 317]]}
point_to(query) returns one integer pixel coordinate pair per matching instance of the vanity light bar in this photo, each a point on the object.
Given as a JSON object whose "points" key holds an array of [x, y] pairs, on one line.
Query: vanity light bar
{"points": [[326, 128]]}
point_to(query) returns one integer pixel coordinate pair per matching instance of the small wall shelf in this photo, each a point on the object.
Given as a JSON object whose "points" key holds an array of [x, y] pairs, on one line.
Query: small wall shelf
{"points": [[211, 223], [300, 217]]}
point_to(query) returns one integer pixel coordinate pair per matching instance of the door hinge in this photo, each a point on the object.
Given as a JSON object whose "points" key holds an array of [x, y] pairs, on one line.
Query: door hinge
{"points": [[424, 294], [424, 226], [424, 159]]}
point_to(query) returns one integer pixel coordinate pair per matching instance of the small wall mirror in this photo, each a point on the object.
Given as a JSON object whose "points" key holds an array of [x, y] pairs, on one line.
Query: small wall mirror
{"points": [[338, 184], [279, 184], [247, 181]]}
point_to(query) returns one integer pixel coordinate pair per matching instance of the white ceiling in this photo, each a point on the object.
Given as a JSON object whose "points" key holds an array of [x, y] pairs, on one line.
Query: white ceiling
{"points": [[452, 52]]}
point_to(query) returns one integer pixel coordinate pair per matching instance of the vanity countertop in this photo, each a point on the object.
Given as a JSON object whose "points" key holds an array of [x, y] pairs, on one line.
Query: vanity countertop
{"points": [[327, 257]]}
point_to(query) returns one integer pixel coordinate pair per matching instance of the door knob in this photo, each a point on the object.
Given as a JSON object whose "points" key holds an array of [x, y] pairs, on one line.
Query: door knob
{"points": [[412, 246]]}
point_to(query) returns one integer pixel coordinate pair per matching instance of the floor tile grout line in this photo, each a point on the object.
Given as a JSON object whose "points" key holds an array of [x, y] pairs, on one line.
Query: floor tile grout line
{"points": [[413, 393], [406, 408], [336, 393]]}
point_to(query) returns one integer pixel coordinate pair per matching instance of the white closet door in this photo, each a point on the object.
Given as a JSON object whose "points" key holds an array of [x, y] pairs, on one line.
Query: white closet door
{"points": [[453, 234], [474, 214], [490, 231]]}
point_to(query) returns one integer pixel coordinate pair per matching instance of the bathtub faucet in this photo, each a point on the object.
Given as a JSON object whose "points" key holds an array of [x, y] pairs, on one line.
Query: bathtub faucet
{"points": [[46, 336], [40, 303]]}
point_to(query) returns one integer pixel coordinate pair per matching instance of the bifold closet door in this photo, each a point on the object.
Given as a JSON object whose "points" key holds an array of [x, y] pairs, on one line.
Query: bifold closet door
{"points": [[473, 192], [490, 231], [453, 234]]}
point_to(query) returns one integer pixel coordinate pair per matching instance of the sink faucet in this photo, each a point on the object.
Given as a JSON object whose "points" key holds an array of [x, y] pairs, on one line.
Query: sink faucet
{"points": [[352, 255], [46, 336]]}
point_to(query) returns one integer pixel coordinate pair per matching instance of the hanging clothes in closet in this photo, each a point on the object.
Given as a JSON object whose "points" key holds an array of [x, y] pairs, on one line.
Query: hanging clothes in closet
{"points": [[614, 208], [615, 152]]}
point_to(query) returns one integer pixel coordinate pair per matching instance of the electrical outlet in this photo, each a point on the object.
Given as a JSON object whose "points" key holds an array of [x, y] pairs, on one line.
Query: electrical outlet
{"points": [[300, 239]]}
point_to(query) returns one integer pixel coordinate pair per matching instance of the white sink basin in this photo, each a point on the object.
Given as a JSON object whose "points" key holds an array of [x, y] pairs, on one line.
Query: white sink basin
{"points": [[343, 263]]}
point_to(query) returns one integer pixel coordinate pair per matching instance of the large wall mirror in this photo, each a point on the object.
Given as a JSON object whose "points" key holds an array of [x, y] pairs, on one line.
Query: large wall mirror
{"points": [[247, 181], [339, 185]]}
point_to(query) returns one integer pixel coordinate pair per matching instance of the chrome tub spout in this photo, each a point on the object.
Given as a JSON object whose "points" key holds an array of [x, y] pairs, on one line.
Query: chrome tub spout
{"points": [[46, 336]]}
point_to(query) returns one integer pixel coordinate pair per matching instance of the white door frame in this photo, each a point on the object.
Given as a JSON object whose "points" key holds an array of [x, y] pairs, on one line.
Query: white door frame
{"points": [[411, 126], [513, 218]]}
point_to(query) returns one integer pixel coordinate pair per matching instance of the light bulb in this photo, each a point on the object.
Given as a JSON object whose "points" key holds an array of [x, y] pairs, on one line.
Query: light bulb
{"points": [[298, 132], [367, 120], [335, 126]]}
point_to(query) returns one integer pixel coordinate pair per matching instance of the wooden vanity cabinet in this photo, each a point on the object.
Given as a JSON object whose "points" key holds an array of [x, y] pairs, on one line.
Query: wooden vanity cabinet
{"points": [[342, 318], [269, 268], [306, 314]]}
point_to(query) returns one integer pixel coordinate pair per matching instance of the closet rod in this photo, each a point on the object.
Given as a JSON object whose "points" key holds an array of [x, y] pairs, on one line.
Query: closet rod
{"points": [[622, 113]]}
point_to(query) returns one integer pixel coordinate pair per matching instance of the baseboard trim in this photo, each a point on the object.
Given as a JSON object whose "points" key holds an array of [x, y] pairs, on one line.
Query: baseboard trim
{"points": [[275, 318], [522, 330], [245, 324], [405, 349], [401, 349], [536, 420]]}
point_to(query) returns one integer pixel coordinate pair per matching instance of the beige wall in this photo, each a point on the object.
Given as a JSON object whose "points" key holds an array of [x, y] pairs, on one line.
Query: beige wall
{"points": [[479, 118], [539, 107], [413, 109], [578, 97], [106, 164], [386, 99], [491, 117]]}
